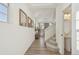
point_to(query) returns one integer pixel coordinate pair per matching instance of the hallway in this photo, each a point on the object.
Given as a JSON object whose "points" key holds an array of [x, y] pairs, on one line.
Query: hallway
{"points": [[39, 48], [35, 29]]}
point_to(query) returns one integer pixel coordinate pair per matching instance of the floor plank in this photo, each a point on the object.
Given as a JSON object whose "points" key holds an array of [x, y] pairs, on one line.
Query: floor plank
{"points": [[39, 48]]}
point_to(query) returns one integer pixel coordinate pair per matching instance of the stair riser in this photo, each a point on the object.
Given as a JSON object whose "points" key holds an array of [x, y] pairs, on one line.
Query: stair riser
{"points": [[51, 46], [55, 44], [54, 39], [54, 50]]}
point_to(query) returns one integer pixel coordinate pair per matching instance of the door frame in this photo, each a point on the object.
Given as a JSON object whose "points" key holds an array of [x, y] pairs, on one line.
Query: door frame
{"points": [[70, 5], [64, 7], [63, 19]]}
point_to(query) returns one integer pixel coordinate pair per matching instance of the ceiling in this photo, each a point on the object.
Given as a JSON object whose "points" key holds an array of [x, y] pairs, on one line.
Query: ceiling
{"points": [[42, 5], [43, 12]]}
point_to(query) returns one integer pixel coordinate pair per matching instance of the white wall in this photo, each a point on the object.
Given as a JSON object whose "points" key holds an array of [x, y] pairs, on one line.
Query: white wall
{"points": [[60, 26], [14, 12], [75, 9], [15, 39]]}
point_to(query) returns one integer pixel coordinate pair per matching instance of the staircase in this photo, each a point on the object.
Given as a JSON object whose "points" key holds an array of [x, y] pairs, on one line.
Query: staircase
{"points": [[51, 44], [50, 38]]}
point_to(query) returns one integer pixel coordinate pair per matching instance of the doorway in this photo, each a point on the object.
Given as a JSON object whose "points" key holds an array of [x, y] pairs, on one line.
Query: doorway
{"points": [[67, 30]]}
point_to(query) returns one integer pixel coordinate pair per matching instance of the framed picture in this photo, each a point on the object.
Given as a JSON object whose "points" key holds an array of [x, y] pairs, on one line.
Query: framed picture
{"points": [[23, 21], [30, 22]]}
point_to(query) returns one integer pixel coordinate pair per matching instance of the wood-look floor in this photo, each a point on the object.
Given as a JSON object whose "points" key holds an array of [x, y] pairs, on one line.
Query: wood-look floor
{"points": [[38, 48]]}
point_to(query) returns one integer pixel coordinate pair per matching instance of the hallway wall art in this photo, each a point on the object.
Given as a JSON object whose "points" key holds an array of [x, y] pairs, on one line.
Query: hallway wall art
{"points": [[23, 19]]}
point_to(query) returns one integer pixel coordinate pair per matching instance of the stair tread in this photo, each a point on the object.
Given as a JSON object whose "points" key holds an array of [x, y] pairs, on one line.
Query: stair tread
{"points": [[52, 39], [52, 49], [51, 46], [51, 42]]}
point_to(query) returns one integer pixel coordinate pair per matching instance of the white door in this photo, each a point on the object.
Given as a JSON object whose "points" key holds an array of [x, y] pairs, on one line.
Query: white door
{"points": [[75, 28], [60, 30]]}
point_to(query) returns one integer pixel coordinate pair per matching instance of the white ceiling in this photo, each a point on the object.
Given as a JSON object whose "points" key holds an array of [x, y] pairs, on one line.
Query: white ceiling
{"points": [[42, 5], [43, 12]]}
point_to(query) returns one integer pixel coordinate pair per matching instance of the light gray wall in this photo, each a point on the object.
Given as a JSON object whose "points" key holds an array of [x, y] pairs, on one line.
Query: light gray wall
{"points": [[15, 39], [75, 8], [14, 12]]}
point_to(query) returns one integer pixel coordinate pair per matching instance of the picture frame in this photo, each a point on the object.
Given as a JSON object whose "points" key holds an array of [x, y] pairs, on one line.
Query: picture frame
{"points": [[30, 22], [23, 21]]}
